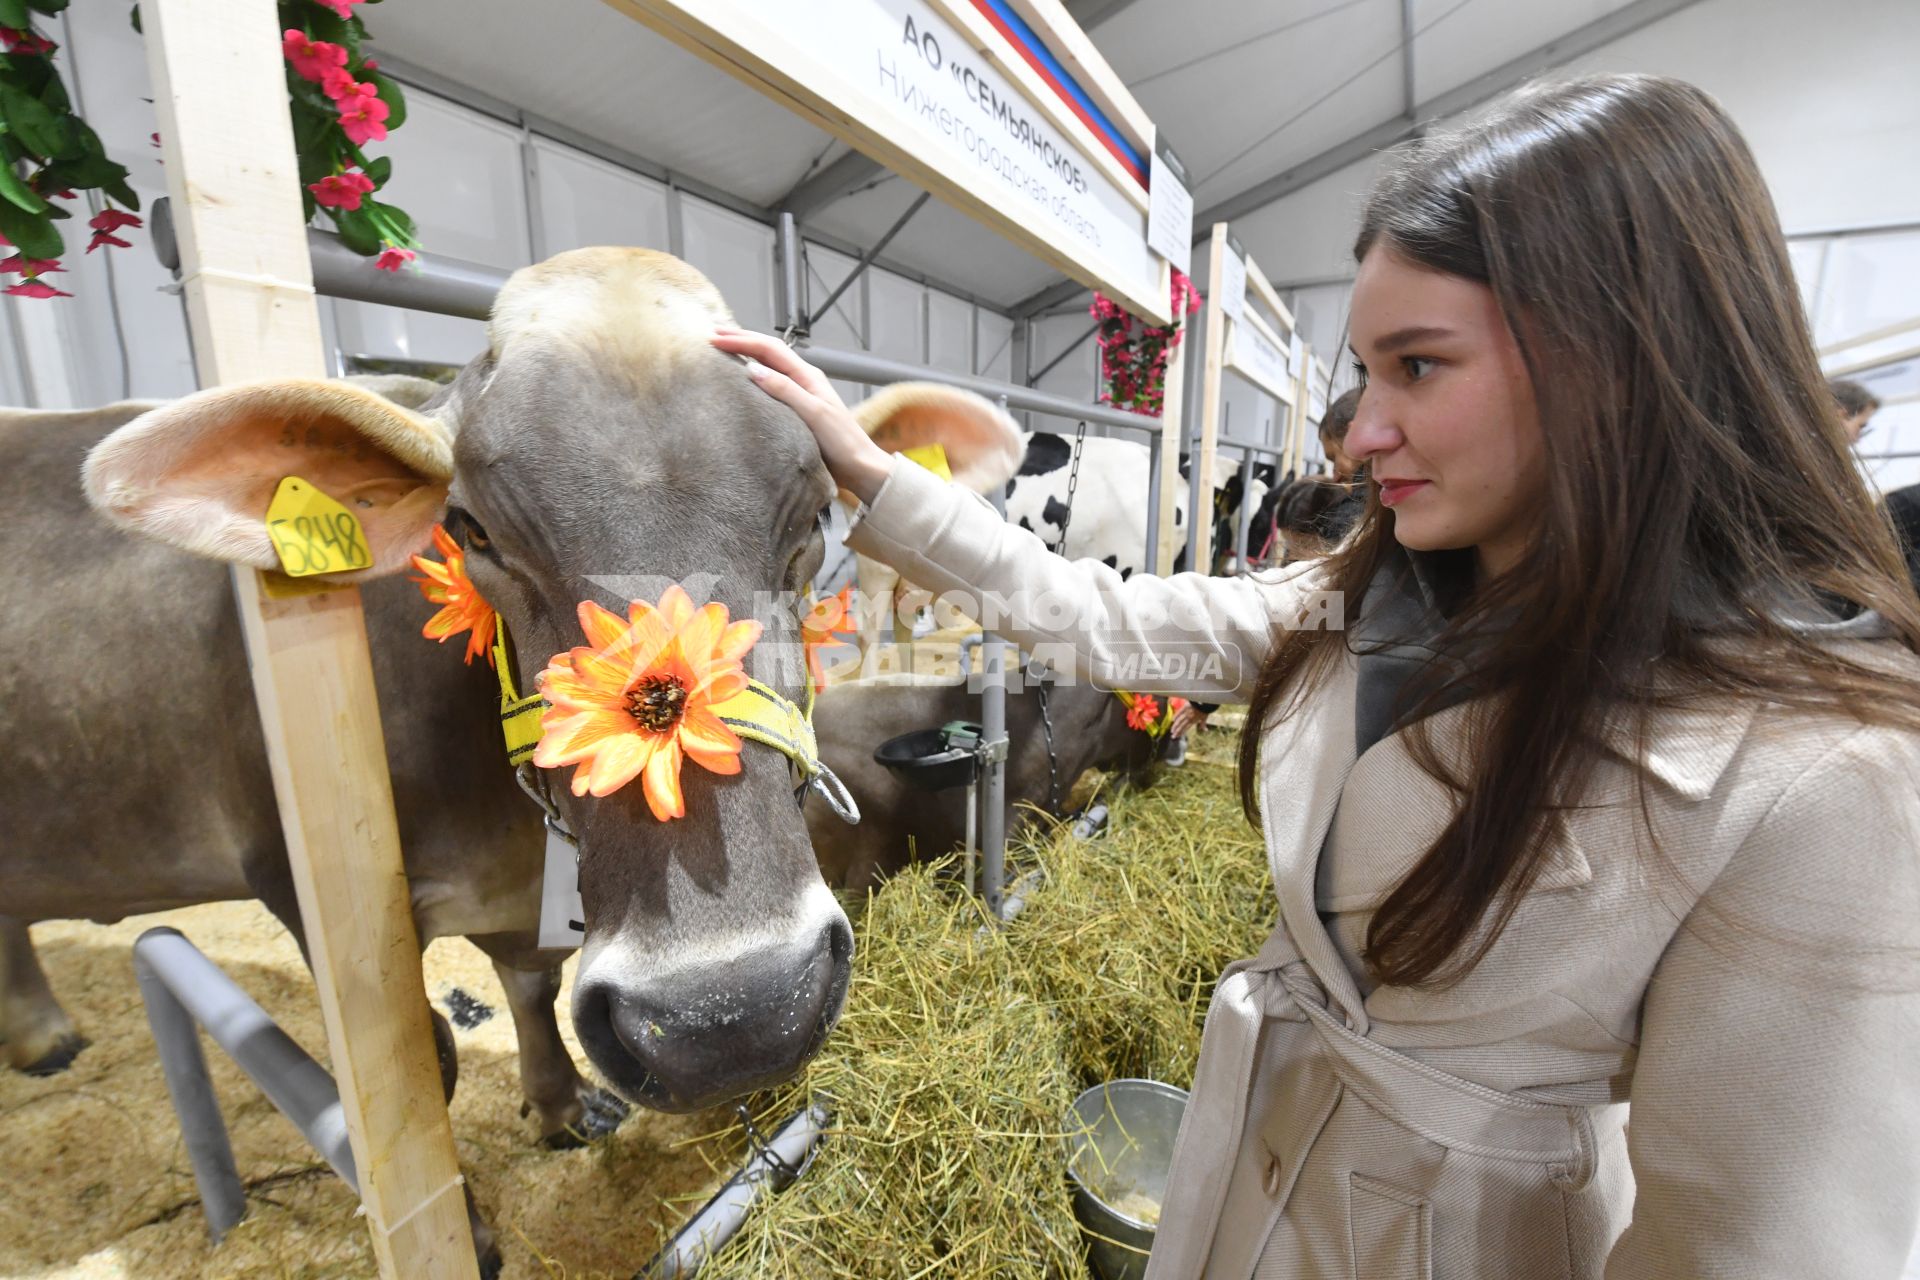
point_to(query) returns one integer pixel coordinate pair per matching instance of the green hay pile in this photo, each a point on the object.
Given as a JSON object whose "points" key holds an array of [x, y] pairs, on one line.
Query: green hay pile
{"points": [[951, 1074]]}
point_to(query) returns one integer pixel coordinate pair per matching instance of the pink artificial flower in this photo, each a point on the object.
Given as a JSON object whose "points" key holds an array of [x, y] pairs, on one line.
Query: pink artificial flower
{"points": [[19, 41], [341, 190], [370, 65], [310, 59], [340, 85], [363, 119], [101, 239], [111, 219], [392, 258], [34, 289], [154, 138], [29, 266], [342, 7]]}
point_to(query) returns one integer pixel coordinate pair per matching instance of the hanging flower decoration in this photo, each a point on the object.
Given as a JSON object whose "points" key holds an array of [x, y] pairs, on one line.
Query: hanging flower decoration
{"points": [[638, 698], [828, 622], [341, 102], [1133, 354], [48, 156], [463, 609]]}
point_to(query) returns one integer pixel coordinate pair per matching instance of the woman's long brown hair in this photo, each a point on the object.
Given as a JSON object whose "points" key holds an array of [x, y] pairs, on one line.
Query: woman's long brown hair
{"points": [[1696, 470]]}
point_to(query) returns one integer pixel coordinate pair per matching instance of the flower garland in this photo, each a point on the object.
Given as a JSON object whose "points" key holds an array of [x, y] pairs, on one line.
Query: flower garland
{"points": [[61, 155], [339, 100], [1133, 354]]}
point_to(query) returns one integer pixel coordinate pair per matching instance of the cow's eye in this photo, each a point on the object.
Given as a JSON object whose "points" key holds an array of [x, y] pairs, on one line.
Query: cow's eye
{"points": [[465, 529]]}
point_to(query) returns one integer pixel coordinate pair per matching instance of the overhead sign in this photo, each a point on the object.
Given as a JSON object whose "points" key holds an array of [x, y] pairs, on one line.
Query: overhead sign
{"points": [[1261, 362], [1233, 281], [1170, 213], [899, 81]]}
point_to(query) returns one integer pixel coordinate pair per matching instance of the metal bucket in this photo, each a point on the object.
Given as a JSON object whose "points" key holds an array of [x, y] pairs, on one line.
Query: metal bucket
{"points": [[1118, 1168]]}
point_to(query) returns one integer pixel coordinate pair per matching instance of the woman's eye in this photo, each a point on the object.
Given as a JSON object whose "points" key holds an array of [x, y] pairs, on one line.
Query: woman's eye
{"points": [[1417, 367], [1360, 372]]}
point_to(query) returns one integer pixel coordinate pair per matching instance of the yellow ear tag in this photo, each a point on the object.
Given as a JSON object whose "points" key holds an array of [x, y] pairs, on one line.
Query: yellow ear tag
{"points": [[312, 533], [931, 456]]}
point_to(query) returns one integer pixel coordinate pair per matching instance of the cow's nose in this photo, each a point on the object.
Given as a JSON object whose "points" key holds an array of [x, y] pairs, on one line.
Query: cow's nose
{"points": [[702, 1035]]}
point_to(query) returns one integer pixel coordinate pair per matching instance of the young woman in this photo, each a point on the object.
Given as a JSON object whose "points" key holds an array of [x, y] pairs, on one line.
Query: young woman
{"points": [[1592, 801]]}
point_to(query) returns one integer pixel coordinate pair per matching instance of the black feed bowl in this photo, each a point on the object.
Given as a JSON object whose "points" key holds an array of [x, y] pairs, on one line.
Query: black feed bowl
{"points": [[926, 760]]}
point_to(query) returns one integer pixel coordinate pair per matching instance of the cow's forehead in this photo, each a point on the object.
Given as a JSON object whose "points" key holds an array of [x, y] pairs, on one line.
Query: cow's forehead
{"points": [[639, 307]]}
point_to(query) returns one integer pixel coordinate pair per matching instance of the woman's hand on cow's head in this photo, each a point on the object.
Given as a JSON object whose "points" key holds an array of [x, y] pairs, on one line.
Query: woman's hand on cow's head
{"points": [[857, 464]]}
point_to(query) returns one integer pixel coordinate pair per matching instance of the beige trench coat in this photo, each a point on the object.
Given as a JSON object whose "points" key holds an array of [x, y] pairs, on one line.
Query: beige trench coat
{"points": [[1748, 990]]}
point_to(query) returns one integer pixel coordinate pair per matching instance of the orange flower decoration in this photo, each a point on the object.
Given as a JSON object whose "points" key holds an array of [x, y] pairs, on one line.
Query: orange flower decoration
{"points": [[639, 697], [830, 619], [1143, 713], [463, 608]]}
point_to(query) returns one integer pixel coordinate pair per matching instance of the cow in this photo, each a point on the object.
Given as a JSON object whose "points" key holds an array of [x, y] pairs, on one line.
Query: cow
{"points": [[1089, 730], [599, 449]]}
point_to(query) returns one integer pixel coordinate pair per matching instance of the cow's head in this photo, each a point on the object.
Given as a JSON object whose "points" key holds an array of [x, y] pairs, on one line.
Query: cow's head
{"points": [[982, 449], [600, 450]]}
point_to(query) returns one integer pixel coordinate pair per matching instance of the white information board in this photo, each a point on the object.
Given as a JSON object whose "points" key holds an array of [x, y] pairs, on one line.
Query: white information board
{"points": [[897, 80], [1261, 362], [1232, 301], [1170, 211]]}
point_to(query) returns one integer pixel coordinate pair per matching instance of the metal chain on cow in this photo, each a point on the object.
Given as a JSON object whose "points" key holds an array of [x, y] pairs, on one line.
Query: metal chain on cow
{"points": [[1043, 687]]}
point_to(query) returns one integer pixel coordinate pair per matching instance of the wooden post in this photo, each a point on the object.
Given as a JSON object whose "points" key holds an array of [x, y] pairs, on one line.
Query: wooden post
{"points": [[220, 89], [1211, 374], [1170, 480]]}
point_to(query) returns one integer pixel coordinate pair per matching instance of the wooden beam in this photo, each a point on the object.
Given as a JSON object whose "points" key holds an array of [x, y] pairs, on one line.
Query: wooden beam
{"points": [[220, 91], [1066, 38], [1212, 372], [1171, 481]]}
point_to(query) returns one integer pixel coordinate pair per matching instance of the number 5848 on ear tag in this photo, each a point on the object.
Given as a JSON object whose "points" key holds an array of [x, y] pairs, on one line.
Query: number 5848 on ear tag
{"points": [[312, 533]]}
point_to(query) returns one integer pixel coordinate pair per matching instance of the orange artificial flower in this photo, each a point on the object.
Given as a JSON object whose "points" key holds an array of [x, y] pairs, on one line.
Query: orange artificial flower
{"points": [[823, 626], [447, 584], [1143, 713], [639, 697]]}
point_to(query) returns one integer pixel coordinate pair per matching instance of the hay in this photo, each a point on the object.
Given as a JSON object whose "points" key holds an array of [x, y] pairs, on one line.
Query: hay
{"points": [[951, 1075]]}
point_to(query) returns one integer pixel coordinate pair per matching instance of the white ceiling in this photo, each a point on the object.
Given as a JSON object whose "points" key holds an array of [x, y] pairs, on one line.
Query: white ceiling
{"points": [[1243, 89]]}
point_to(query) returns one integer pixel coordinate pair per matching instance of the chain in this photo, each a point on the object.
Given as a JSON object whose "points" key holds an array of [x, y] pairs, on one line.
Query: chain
{"points": [[1043, 687], [758, 1145], [1073, 483]]}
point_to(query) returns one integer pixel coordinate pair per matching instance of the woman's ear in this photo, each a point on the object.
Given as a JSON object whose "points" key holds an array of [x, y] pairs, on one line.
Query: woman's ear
{"points": [[984, 447], [199, 473]]}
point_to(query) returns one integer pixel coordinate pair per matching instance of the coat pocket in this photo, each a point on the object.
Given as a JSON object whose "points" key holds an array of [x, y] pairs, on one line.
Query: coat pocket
{"points": [[1392, 1231]]}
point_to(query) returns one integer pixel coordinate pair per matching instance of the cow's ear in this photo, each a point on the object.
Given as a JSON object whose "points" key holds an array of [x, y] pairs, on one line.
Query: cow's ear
{"points": [[199, 473], [984, 447]]}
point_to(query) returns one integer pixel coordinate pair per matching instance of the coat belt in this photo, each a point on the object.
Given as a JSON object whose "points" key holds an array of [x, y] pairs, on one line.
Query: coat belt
{"points": [[1217, 1172]]}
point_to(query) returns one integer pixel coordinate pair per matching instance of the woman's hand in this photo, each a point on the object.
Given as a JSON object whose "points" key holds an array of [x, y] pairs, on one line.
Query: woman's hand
{"points": [[856, 463]]}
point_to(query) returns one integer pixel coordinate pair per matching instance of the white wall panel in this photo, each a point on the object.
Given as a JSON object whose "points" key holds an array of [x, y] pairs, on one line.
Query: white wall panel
{"points": [[735, 253], [896, 317], [1075, 377], [993, 345], [949, 332], [586, 201]]}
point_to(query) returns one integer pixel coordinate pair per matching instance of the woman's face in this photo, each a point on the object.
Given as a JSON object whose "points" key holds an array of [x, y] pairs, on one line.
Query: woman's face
{"points": [[1447, 422]]}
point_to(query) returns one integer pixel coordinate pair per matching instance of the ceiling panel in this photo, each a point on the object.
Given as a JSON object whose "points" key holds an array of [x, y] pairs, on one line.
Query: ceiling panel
{"points": [[594, 70], [1456, 40]]}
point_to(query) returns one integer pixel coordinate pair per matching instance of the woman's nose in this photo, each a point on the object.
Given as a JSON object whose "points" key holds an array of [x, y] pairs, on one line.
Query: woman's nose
{"points": [[1371, 432]]}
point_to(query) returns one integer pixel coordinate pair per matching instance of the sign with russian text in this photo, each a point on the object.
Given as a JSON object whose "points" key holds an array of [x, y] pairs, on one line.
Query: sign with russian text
{"points": [[900, 82], [1261, 362]]}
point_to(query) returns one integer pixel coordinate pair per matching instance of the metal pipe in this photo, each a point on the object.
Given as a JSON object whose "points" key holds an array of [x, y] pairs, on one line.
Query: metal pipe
{"points": [[447, 286], [222, 1198], [1245, 522], [292, 1080], [793, 311], [708, 1231], [993, 740], [1252, 446], [859, 366], [1154, 465], [866, 259], [1195, 507]]}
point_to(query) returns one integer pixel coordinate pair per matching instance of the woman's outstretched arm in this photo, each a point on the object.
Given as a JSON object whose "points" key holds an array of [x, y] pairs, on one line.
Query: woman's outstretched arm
{"points": [[1189, 634]]}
